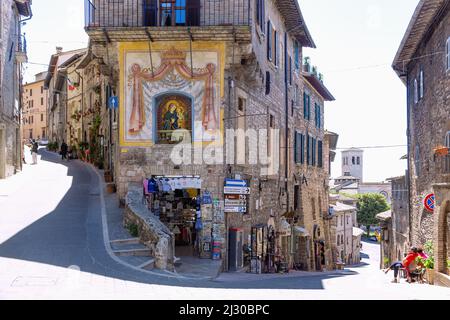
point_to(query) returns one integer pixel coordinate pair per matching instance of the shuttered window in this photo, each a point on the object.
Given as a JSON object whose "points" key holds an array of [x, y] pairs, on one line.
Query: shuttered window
{"points": [[421, 84], [306, 106], [260, 13], [299, 147], [275, 47], [313, 152], [269, 41], [318, 115], [320, 154], [308, 149], [297, 55]]}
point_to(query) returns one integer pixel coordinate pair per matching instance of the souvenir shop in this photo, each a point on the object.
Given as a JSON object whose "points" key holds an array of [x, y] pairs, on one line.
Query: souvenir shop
{"points": [[180, 204]]}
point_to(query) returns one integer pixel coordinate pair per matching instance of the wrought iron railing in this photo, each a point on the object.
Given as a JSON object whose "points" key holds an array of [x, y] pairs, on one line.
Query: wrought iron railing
{"points": [[165, 13], [22, 44]]}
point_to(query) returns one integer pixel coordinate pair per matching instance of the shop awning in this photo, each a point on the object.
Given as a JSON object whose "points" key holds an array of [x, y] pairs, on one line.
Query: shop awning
{"points": [[357, 232], [285, 228], [301, 232]]}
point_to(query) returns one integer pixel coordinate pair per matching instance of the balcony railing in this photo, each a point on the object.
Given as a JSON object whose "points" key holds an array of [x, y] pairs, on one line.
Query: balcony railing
{"points": [[166, 13]]}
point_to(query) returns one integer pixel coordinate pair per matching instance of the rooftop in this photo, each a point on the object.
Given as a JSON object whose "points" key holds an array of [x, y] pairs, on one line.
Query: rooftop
{"points": [[425, 15], [341, 207], [384, 216]]}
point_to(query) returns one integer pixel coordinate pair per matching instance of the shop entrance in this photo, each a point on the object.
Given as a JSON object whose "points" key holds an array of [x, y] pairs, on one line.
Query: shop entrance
{"points": [[177, 203]]}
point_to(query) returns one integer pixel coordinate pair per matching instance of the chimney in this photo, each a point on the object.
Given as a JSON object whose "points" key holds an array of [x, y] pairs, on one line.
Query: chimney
{"points": [[59, 50]]}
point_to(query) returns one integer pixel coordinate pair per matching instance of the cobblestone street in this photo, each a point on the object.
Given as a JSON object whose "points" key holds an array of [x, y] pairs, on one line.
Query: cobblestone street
{"points": [[52, 247]]}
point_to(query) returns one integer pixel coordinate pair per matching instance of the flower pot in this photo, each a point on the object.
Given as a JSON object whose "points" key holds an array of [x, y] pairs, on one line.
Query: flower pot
{"points": [[108, 178], [430, 276], [111, 188], [441, 151]]}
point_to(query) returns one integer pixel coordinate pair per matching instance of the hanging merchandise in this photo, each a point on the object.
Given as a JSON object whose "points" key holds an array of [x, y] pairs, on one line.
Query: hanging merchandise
{"points": [[166, 187], [207, 212], [207, 198], [152, 186], [146, 186], [176, 230], [199, 224]]}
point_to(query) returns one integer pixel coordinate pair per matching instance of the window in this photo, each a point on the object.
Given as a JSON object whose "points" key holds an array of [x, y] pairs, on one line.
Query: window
{"points": [[448, 53], [267, 82], [42, 101], [308, 151], [173, 12], [313, 151], [42, 117], [275, 47], [353, 160], [260, 13], [421, 80], [318, 115], [320, 154], [416, 91], [299, 155], [31, 92], [306, 106], [297, 55], [42, 89], [358, 160], [269, 41]]}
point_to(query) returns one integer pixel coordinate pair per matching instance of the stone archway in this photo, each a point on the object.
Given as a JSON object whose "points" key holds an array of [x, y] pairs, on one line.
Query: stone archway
{"points": [[442, 253]]}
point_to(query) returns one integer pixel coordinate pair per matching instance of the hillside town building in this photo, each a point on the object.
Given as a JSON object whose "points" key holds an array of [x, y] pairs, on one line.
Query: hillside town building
{"points": [[224, 124], [423, 64], [13, 53], [34, 110]]}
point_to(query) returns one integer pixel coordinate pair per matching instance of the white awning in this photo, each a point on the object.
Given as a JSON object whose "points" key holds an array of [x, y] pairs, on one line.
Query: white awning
{"points": [[301, 232], [357, 232]]}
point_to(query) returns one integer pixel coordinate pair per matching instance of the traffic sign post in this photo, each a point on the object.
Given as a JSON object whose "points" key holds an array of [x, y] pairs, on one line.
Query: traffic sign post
{"points": [[428, 202], [113, 102], [235, 183], [236, 190]]}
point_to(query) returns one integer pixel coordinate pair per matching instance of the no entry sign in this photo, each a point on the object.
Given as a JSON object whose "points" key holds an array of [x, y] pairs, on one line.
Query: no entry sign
{"points": [[428, 202]]}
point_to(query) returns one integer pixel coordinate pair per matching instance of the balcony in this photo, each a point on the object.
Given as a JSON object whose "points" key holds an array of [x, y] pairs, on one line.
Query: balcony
{"points": [[137, 20], [21, 51]]}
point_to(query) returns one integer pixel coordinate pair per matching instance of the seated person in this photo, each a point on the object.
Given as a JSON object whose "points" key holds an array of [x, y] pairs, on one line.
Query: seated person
{"points": [[410, 263]]}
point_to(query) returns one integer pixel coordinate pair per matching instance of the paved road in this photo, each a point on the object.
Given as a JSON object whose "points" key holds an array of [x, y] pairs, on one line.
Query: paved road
{"points": [[52, 247]]}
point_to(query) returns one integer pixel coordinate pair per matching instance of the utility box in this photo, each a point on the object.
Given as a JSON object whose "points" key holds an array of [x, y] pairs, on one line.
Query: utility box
{"points": [[235, 251]]}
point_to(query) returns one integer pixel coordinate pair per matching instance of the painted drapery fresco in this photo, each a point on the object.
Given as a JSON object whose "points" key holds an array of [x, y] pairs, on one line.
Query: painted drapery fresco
{"points": [[171, 95]]}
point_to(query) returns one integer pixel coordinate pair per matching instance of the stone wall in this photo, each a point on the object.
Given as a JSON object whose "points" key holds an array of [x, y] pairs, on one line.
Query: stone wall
{"points": [[429, 122], [154, 234], [10, 143]]}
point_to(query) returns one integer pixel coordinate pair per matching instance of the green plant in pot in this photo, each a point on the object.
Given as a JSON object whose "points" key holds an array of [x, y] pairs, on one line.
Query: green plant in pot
{"points": [[386, 262]]}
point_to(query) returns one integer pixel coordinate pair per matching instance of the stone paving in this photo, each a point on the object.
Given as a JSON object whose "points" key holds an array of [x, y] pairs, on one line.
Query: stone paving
{"points": [[52, 247]]}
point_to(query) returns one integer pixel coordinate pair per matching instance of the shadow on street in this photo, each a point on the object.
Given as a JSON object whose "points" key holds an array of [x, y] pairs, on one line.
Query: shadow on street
{"points": [[71, 235]]}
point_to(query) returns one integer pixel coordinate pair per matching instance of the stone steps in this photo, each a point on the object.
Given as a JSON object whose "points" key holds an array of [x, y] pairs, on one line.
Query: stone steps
{"points": [[125, 241], [148, 265], [133, 252]]}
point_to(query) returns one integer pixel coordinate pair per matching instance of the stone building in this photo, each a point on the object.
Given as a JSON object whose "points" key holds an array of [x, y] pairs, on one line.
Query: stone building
{"points": [[423, 64], [210, 91], [57, 85], [387, 256], [400, 218], [351, 181], [345, 241], [34, 109], [13, 53]]}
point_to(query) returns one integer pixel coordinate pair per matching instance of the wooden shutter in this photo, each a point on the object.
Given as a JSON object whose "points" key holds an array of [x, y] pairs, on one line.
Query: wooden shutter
{"points": [[302, 149], [193, 12], [305, 101], [308, 150], [150, 11], [269, 41], [320, 151], [296, 147], [268, 82], [275, 47]]}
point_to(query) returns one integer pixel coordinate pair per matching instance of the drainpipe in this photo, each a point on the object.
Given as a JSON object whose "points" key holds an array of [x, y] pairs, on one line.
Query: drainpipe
{"points": [[408, 134], [286, 101]]}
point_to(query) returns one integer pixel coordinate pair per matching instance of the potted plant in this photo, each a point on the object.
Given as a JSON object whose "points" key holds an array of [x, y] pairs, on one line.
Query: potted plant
{"points": [[386, 262], [441, 151]]}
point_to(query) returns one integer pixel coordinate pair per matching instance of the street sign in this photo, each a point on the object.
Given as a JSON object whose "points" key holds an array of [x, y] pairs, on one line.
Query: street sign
{"points": [[232, 203], [236, 190], [428, 202], [236, 209], [113, 102], [235, 183], [235, 197]]}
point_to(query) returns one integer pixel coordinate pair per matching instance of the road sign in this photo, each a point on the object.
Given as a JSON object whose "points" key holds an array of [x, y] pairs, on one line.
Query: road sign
{"points": [[113, 102], [236, 209], [236, 190], [235, 197], [428, 202], [232, 203], [235, 183]]}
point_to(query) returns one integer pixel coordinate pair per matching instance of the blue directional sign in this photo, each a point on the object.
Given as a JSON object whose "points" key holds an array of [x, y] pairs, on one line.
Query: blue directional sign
{"points": [[235, 183], [113, 102]]}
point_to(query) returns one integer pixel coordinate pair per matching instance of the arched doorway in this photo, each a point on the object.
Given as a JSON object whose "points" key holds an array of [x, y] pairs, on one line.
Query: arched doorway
{"points": [[443, 251]]}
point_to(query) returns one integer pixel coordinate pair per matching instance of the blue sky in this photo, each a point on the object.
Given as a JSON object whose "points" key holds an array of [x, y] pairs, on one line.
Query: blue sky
{"points": [[356, 43]]}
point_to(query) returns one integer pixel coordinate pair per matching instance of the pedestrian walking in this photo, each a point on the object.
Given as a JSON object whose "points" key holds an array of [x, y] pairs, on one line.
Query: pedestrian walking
{"points": [[34, 150], [64, 149]]}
